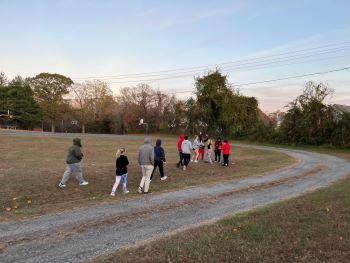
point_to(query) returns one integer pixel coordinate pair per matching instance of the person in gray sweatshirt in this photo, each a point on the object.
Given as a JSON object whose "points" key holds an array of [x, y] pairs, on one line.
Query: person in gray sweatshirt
{"points": [[186, 148], [146, 161]]}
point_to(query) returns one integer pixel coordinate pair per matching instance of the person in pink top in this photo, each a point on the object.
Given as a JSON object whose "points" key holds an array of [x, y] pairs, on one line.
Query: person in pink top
{"points": [[226, 152]]}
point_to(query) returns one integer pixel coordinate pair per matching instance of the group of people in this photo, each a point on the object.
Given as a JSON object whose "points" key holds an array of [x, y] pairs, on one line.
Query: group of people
{"points": [[149, 158], [202, 148]]}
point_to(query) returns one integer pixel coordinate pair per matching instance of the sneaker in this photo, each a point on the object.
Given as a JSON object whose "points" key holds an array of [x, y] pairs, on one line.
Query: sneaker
{"points": [[61, 185], [126, 191], [149, 192], [112, 194], [84, 183], [184, 168], [163, 178], [140, 190], [195, 161]]}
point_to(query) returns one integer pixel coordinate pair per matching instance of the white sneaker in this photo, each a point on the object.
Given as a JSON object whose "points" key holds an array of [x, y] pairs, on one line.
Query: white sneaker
{"points": [[112, 194], [140, 190], [126, 191], [184, 168], [195, 161], [61, 185], [163, 178], [84, 183]]}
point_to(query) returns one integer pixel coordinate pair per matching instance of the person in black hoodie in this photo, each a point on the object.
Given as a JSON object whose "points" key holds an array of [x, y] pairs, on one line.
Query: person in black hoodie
{"points": [[159, 159], [121, 172]]}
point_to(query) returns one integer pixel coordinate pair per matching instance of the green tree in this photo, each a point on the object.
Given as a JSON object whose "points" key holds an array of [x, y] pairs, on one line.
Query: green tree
{"points": [[49, 90]]}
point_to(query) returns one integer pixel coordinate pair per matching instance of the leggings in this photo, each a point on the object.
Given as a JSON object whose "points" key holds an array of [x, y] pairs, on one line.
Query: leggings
{"points": [[119, 178]]}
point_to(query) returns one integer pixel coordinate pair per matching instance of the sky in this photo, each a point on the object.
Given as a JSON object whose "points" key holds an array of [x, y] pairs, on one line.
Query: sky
{"points": [[119, 41]]}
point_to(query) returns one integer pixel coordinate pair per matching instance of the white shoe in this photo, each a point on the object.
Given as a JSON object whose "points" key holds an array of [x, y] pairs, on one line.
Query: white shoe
{"points": [[126, 192], [62, 185], [195, 161], [112, 194], [84, 183], [184, 168], [140, 190], [163, 178]]}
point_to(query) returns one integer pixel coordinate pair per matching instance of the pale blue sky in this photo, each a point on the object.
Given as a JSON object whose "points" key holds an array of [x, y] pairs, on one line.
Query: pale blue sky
{"points": [[108, 38]]}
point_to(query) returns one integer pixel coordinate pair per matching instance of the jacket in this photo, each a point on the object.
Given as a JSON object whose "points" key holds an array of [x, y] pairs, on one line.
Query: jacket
{"points": [[226, 148], [74, 152], [179, 142], [159, 154], [146, 153], [218, 145], [186, 147], [121, 165]]}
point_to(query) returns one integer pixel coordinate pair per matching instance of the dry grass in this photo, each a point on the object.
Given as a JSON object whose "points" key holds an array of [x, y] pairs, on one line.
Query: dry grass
{"points": [[31, 168], [311, 228]]}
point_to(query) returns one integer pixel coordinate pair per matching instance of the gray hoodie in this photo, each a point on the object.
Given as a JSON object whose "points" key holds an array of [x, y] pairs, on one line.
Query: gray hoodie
{"points": [[146, 153]]}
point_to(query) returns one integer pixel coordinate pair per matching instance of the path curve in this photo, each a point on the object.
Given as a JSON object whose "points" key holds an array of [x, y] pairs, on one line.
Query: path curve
{"points": [[86, 233]]}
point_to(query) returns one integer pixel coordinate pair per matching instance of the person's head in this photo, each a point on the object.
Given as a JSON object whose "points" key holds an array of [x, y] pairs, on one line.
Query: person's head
{"points": [[121, 151], [218, 139], [147, 141], [182, 136], [225, 141], [158, 142], [186, 137], [77, 142]]}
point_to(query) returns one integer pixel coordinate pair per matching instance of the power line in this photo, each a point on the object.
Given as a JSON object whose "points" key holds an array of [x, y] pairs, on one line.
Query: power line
{"points": [[214, 65]]}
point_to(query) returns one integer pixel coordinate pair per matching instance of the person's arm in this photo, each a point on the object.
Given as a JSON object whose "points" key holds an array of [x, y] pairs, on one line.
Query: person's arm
{"points": [[77, 153], [151, 157], [126, 161], [139, 158], [163, 154]]}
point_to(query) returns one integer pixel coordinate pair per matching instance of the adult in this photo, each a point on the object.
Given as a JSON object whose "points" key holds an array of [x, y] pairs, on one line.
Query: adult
{"points": [[159, 159], [186, 148], [179, 143], [196, 144], [146, 161], [73, 161]]}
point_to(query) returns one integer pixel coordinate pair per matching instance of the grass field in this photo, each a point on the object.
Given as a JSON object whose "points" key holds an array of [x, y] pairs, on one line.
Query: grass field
{"points": [[31, 168], [311, 228]]}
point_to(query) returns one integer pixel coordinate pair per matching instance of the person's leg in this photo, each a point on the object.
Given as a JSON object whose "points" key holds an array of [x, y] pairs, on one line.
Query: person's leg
{"points": [[148, 171], [197, 155], [143, 180], [124, 182], [67, 174], [209, 156], [79, 172], [156, 163], [219, 156], [187, 159], [161, 169], [116, 183]]}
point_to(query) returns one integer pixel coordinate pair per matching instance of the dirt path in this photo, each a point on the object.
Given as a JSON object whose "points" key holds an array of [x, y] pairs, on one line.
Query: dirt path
{"points": [[83, 234]]}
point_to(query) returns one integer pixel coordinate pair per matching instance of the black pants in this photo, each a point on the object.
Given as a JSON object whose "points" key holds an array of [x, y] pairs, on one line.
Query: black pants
{"points": [[186, 158], [217, 155], [161, 168], [226, 159], [181, 162]]}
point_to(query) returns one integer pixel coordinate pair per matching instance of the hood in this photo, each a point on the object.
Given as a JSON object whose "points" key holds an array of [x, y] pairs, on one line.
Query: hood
{"points": [[158, 142], [182, 136], [147, 141], [77, 142]]}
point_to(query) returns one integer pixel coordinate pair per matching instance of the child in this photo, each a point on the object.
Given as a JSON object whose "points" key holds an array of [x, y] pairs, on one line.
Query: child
{"points": [[186, 148], [226, 152], [218, 148], [201, 147], [159, 160], [195, 145], [209, 149], [121, 173]]}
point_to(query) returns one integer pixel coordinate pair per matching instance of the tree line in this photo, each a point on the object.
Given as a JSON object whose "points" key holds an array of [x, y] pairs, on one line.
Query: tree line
{"points": [[54, 102]]}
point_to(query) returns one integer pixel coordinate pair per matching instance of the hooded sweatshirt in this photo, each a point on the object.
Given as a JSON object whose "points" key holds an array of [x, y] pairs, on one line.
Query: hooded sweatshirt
{"points": [[146, 153], [159, 154], [186, 147], [179, 142], [74, 152]]}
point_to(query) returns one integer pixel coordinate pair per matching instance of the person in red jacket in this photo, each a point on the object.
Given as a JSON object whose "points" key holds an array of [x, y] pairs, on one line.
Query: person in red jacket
{"points": [[226, 152], [179, 143]]}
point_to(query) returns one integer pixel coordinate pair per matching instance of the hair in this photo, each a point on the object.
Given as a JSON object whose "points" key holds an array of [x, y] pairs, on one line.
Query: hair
{"points": [[218, 139], [186, 137], [120, 152], [226, 141]]}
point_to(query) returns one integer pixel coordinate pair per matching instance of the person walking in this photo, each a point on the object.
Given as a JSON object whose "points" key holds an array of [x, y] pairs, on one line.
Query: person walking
{"points": [[73, 161], [196, 145], [179, 143], [146, 161], [121, 172], [208, 150], [226, 152], [159, 160], [218, 149], [186, 148]]}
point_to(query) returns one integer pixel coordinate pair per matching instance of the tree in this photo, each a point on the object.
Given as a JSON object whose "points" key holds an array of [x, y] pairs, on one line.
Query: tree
{"points": [[49, 90]]}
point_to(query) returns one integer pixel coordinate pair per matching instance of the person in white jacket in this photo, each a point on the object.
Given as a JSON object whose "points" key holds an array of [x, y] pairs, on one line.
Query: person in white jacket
{"points": [[186, 148], [196, 144]]}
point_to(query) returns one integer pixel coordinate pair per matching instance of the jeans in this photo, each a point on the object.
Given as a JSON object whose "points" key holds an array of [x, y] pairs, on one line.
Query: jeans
{"points": [[217, 155], [186, 158], [161, 168], [226, 162], [181, 162], [74, 167], [123, 178]]}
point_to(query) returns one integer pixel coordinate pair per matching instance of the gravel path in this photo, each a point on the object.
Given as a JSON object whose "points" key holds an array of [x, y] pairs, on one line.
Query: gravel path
{"points": [[83, 234]]}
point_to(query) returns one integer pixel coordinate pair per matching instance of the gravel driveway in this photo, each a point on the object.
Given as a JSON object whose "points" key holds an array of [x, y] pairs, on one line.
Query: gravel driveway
{"points": [[83, 234]]}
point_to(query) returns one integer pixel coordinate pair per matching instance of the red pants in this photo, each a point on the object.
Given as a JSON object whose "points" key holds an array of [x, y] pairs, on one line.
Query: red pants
{"points": [[201, 153]]}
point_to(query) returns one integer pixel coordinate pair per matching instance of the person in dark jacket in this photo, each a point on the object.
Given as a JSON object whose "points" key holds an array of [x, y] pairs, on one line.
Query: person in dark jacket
{"points": [[218, 149], [159, 159], [73, 161], [121, 172]]}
